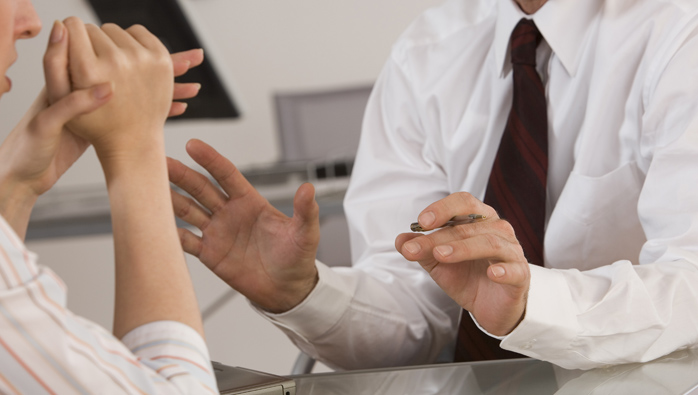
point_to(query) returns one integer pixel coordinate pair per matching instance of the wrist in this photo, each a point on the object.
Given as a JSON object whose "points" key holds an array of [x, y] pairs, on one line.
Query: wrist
{"points": [[17, 200], [129, 155], [293, 296]]}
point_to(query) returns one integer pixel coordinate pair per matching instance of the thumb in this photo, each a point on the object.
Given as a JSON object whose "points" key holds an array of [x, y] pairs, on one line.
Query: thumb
{"points": [[306, 213], [76, 103]]}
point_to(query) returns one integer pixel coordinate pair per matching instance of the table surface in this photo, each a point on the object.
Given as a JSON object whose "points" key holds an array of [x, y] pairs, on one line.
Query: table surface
{"points": [[676, 373]]}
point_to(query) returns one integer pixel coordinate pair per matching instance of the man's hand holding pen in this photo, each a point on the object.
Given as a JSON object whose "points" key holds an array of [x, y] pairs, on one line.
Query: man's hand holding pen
{"points": [[479, 264]]}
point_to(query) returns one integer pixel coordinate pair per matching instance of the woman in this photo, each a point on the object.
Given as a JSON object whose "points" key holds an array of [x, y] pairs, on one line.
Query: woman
{"points": [[111, 88]]}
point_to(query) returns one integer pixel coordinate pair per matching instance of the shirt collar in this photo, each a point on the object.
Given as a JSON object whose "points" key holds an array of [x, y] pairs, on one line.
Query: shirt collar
{"points": [[563, 24]]}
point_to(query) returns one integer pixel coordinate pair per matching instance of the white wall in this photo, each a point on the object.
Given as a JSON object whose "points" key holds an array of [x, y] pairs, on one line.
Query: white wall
{"points": [[263, 46]]}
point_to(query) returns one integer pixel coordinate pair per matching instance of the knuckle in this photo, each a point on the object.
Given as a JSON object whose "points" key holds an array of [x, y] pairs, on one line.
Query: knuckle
{"points": [[464, 198], [51, 61], [83, 75], [198, 188], [183, 210], [136, 28], [493, 241], [164, 59], [110, 26], [73, 100], [504, 226], [114, 56], [71, 20], [463, 231]]}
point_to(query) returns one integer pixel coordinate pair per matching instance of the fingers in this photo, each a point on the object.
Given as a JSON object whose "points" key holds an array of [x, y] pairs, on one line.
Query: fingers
{"points": [[177, 108], [509, 274], [191, 243], [492, 247], [186, 91], [492, 241], [102, 43], [229, 178], [456, 204], [489, 239], [76, 103], [182, 91], [81, 55], [195, 184], [119, 36], [147, 39], [183, 61], [190, 212], [56, 64], [404, 238]]}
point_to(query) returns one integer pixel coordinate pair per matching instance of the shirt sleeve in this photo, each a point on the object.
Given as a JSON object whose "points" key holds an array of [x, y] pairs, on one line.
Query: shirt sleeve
{"points": [[623, 313], [45, 348], [385, 310]]}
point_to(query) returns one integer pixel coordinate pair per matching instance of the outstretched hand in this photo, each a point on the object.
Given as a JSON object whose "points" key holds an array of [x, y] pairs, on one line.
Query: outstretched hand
{"points": [[480, 265], [249, 244]]}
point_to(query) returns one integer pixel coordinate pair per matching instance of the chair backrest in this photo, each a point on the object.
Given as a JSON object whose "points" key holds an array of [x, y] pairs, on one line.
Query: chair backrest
{"points": [[321, 125]]}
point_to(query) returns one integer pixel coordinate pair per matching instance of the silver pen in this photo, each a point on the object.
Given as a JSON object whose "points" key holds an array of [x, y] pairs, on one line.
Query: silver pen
{"points": [[470, 218]]}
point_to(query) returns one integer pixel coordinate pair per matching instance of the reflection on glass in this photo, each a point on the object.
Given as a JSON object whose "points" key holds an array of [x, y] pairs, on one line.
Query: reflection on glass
{"points": [[673, 374]]}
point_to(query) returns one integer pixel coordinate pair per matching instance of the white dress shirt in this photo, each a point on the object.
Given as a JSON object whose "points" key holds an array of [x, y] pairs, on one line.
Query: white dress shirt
{"points": [[620, 282], [46, 349]]}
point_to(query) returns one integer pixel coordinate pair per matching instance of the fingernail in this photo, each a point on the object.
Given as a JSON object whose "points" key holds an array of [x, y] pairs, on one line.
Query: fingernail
{"points": [[102, 91], [198, 87], [412, 248], [444, 250], [427, 219], [498, 271], [56, 32]]}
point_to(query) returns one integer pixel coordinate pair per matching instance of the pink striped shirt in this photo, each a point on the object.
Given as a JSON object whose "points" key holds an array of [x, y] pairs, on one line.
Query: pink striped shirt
{"points": [[46, 349]]}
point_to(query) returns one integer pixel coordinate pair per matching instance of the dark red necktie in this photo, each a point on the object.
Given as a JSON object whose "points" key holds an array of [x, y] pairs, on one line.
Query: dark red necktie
{"points": [[517, 184]]}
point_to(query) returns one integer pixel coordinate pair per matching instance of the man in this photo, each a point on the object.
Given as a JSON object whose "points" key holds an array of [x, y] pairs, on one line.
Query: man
{"points": [[111, 88], [612, 280]]}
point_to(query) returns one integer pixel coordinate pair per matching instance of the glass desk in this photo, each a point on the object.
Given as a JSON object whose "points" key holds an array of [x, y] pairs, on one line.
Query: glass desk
{"points": [[676, 373]]}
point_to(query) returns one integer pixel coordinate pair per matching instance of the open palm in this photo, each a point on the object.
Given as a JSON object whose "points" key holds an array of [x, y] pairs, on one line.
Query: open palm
{"points": [[256, 249]]}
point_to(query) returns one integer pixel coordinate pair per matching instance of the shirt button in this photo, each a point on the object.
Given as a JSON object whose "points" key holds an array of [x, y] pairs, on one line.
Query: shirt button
{"points": [[528, 345]]}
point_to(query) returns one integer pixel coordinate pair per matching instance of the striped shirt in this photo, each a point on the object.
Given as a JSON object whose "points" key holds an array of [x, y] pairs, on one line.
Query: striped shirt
{"points": [[46, 349]]}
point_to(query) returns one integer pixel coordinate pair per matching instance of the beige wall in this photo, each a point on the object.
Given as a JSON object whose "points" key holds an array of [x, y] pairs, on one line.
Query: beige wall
{"points": [[262, 46]]}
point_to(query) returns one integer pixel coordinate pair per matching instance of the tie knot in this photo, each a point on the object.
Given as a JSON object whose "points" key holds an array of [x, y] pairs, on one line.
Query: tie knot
{"points": [[524, 41]]}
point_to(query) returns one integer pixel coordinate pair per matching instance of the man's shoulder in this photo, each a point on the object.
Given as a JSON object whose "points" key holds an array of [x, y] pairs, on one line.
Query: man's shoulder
{"points": [[662, 25], [662, 12], [446, 20], [684, 6]]}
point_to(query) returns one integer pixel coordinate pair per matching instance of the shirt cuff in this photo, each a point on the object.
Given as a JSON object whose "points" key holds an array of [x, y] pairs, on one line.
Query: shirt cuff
{"points": [[483, 329], [170, 342], [549, 327], [321, 310]]}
